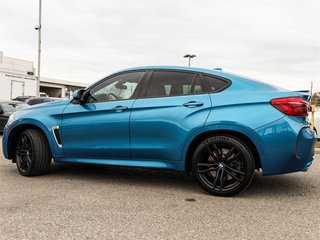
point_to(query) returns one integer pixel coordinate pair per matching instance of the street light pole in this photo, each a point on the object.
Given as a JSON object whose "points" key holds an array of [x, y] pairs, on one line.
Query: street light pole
{"points": [[38, 28], [189, 56]]}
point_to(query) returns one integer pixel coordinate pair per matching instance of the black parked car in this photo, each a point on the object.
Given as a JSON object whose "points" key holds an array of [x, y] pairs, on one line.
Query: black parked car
{"points": [[22, 98], [7, 108]]}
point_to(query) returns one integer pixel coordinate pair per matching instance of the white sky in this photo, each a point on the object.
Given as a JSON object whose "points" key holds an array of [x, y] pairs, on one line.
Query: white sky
{"points": [[272, 40]]}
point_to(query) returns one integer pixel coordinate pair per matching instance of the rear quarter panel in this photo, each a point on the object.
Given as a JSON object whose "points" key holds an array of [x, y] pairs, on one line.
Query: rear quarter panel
{"points": [[245, 107]]}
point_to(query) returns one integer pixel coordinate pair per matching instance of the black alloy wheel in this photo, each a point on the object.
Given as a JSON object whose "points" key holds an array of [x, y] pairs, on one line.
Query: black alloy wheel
{"points": [[24, 154], [32, 154], [223, 165]]}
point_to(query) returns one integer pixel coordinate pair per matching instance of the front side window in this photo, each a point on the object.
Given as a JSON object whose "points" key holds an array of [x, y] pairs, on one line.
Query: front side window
{"points": [[166, 84], [119, 87]]}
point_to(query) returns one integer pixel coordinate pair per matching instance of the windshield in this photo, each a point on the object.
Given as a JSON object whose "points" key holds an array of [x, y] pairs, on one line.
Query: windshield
{"points": [[12, 107]]}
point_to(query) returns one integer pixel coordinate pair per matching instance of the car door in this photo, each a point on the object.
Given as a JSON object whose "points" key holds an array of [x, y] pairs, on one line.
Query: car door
{"points": [[172, 104], [100, 127]]}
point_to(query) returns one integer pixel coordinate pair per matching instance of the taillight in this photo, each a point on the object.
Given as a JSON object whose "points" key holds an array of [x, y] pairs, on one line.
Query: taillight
{"points": [[292, 106]]}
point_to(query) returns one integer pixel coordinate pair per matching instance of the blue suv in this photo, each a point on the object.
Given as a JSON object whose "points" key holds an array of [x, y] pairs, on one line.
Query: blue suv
{"points": [[219, 126]]}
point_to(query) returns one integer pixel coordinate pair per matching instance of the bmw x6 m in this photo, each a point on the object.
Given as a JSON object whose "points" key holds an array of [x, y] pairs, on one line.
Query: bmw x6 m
{"points": [[219, 126]]}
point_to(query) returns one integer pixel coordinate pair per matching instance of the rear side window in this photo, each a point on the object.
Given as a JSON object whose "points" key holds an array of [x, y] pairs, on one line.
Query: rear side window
{"points": [[216, 84], [165, 84]]}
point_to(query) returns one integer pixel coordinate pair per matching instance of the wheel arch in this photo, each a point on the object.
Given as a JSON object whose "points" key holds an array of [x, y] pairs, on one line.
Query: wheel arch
{"points": [[16, 131], [234, 133]]}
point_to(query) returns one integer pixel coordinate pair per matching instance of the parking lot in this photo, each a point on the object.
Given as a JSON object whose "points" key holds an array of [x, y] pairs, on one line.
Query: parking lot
{"points": [[94, 202]]}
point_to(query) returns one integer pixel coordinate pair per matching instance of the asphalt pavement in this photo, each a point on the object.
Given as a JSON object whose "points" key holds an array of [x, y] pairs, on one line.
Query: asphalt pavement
{"points": [[98, 202]]}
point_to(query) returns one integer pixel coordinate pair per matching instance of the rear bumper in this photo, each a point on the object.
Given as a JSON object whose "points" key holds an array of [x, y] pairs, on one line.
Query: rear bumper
{"points": [[305, 147], [289, 146]]}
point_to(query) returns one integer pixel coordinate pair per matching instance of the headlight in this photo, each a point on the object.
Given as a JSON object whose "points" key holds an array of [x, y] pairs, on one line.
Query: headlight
{"points": [[11, 119]]}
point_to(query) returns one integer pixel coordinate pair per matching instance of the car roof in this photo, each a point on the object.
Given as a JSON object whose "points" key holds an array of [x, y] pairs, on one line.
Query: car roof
{"points": [[236, 79], [214, 71], [179, 68], [23, 97]]}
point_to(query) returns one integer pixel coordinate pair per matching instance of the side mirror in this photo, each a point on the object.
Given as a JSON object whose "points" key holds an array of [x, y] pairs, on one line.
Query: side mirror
{"points": [[78, 95]]}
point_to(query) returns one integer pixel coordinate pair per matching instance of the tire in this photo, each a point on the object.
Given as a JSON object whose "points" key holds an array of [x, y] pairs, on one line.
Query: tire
{"points": [[223, 165], [32, 155]]}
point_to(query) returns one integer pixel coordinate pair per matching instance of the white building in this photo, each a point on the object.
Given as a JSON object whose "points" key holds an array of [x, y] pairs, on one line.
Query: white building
{"points": [[17, 78]]}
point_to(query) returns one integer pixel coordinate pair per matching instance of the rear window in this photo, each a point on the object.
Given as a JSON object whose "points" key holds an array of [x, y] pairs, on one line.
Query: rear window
{"points": [[216, 84]]}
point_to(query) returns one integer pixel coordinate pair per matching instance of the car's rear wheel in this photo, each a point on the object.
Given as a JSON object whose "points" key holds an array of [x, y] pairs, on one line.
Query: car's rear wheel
{"points": [[223, 165], [32, 153]]}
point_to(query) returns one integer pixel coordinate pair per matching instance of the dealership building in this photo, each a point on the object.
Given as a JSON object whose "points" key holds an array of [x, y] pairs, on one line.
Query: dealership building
{"points": [[17, 78]]}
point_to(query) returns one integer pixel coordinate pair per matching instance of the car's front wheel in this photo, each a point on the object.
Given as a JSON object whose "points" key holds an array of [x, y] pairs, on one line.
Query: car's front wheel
{"points": [[223, 165], [32, 154]]}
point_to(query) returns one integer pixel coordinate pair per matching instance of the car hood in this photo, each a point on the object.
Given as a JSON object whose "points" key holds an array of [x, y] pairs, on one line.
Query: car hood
{"points": [[40, 110], [49, 105]]}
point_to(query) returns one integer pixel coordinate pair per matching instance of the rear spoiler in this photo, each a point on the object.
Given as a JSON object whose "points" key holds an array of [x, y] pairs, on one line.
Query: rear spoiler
{"points": [[305, 95]]}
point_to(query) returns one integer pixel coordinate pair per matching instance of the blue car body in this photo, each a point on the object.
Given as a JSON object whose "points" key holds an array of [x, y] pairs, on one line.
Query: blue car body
{"points": [[159, 132]]}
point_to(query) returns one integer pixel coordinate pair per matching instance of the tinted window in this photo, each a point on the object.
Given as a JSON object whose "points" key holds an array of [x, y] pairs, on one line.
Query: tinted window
{"points": [[118, 87], [173, 84], [215, 84], [40, 101], [34, 101]]}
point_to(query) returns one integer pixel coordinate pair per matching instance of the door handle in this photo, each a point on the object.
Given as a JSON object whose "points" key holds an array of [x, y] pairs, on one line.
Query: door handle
{"points": [[119, 108], [193, 104]]}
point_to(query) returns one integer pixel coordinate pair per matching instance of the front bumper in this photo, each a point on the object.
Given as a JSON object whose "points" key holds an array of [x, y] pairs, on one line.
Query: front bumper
{"points": [[5, 142]]}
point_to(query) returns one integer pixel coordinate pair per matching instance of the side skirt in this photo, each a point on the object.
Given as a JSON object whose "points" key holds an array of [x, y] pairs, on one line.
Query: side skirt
{"points": [[149, 163]]}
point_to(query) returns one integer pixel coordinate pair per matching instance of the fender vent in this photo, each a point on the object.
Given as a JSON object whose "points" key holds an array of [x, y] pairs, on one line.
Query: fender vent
{"points": [[56, 134]]}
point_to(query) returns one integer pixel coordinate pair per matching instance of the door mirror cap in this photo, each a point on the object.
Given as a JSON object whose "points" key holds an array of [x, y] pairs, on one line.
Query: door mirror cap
{"points": [[78, 95]]}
